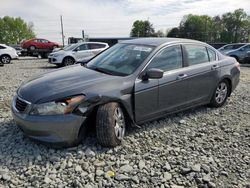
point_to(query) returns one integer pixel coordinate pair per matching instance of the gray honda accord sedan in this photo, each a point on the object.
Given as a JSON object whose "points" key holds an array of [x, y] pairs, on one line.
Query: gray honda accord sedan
{"points": [[128, 84]]}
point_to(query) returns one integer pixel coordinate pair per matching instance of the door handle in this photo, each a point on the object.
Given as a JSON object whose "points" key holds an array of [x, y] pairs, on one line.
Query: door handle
{"points": [[181, 76], [214, 67]]}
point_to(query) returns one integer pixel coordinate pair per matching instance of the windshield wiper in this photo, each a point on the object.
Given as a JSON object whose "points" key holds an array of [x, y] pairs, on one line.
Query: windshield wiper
{"points": [[102, 70]]}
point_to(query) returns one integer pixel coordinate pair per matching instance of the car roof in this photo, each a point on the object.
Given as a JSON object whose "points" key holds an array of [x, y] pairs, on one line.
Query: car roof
{"points": [[91, 43], [158, 41]]}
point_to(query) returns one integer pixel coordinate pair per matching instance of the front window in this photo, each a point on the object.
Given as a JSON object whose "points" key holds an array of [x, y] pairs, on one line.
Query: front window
{"points": [[120, 59], [168, 59], [70, 47]]}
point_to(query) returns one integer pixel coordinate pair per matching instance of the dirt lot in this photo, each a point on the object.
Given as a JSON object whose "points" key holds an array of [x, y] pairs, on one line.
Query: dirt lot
{"points": [[202, 147]]}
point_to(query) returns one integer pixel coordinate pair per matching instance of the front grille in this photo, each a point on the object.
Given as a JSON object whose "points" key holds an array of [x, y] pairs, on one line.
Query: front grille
{"points": [[21, 105]]}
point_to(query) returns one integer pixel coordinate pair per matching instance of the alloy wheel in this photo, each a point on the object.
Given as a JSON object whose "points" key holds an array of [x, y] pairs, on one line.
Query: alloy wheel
{"points": [[119, 123], [221, 93], [5, 59], [68, 62]]}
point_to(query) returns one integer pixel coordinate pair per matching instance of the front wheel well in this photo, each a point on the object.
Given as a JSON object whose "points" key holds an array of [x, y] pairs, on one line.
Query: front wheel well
{"points": [[5, 55], [68, 57], [91, 117]]}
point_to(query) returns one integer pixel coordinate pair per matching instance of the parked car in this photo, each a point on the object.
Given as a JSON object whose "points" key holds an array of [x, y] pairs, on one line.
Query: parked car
{"points": [[7, 53], [240, 53], [18, 49], [230, 47], [132, 82], [36, 43], [58, 49], [76, 52]]}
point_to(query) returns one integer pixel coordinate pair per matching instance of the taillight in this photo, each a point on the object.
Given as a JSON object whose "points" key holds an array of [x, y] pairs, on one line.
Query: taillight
{"points": [[237, 65]]}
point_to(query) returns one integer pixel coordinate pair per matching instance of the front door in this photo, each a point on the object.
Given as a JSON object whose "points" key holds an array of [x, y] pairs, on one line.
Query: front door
{"points": [[166, 94]]}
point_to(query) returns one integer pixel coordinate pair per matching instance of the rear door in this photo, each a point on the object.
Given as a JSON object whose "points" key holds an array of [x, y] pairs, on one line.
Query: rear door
{"points": [[203, 72], [96, 48]]}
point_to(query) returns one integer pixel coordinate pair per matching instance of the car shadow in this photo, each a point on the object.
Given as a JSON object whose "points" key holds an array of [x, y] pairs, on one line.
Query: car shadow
{"points": [[15, 145], [167, 120]]}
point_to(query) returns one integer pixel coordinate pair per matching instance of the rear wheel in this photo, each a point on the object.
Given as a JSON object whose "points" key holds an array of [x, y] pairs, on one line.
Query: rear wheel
{"points": [[221, 94], [5, 59], [110, 125], [68, 61]]}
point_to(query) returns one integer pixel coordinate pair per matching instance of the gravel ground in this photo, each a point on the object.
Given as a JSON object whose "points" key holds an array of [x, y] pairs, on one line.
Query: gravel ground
{"points": [[202, 147]]}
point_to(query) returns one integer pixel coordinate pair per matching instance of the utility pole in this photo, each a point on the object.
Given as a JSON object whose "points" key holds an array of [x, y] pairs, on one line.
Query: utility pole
{"points": [[62, 30]]}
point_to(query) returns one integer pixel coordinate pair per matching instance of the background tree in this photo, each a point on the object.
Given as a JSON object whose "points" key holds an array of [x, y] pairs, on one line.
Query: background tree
{"points": [[14, 30], [230, 27], [142, 29]]}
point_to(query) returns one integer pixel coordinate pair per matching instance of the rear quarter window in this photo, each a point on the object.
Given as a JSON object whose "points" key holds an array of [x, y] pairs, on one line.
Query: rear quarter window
{"points": [[96, 46], [211, 54]]}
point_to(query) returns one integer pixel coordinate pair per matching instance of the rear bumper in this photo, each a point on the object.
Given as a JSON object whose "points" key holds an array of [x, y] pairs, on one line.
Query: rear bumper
{"points": [[235, 78], [57, 129]]}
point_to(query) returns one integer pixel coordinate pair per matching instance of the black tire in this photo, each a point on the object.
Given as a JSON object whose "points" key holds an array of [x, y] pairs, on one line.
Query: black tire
{"points": [[32, 48], [220, 94], [67, 61], [109, 130], [5, 59]]}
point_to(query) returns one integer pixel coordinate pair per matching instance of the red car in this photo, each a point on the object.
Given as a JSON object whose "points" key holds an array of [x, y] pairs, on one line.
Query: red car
{"points": [[35, 43]]}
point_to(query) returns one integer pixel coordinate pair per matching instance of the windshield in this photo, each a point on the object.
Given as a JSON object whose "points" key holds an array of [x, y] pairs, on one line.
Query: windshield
{"points": [[121, 59], [233, 46], [70, 47]]}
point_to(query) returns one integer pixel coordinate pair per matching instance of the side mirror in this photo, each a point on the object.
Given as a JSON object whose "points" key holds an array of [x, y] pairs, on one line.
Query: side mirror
{"points": [[76, 50], [153, 74], [242, 49]]}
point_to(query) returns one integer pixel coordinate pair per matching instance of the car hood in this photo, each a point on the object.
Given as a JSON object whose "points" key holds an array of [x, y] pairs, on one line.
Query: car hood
{"points": [[65, 82], [59, 52]]}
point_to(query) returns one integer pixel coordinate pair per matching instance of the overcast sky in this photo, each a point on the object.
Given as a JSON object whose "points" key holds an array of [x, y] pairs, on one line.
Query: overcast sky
{"points": [[110, 18]]}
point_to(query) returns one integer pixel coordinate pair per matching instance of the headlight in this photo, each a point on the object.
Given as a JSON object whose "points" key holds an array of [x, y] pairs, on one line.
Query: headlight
{"points": [[65, 106]]}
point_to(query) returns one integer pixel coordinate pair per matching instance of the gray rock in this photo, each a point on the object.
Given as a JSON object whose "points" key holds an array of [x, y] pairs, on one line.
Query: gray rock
{"points": [[6, 177], [135, 179], [167, 166], [182, 121], [126, 168], [47, 180], [99, 172], [89, 153], [224, 173], [142, 164], [121, 177], [206, 178], [3, 171], [196, 168], [166, 176], [211, 185], [205, 167], [78, 168], [184, 170]]}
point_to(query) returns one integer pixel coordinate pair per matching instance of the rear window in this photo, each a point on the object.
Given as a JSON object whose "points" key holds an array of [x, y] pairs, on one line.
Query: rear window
{"points": [[196, 54], [2, 47]]}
